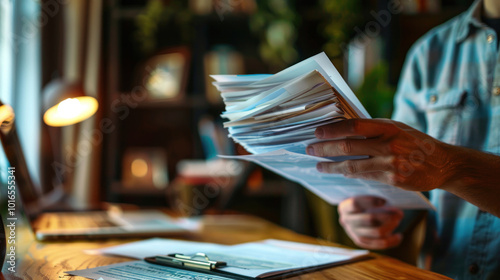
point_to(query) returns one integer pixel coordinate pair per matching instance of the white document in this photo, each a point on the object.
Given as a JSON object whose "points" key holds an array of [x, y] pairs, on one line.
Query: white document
{"points": [[264, 259], [333, 188], [156, 246], [140, 270], [256, 259]]}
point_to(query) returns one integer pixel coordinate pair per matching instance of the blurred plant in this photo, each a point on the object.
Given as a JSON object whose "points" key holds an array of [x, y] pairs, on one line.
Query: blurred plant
{"points": [[339, 17], [158, 13], [375, 93], [275, 22]]}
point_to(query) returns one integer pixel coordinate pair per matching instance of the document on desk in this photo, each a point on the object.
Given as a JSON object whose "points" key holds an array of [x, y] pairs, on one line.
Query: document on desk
{"points": [[333, 188], [255, 260], [155, 246], [140, 270]]}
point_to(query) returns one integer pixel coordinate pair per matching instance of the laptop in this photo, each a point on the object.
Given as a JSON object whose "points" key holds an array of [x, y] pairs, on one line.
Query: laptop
{"points": [[72, 225]]}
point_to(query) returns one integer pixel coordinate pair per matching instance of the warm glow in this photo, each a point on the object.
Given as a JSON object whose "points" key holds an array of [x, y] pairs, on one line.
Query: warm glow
{"points": [[71, 111], [69, 108], [139, 167]]}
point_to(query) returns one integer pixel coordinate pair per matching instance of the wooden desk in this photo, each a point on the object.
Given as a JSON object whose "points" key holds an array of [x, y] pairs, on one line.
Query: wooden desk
{"points": [[37, 260]]}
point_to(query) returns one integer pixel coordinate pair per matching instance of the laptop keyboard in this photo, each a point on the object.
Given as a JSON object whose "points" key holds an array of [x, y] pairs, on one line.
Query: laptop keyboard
{"points": [[78, 220]]}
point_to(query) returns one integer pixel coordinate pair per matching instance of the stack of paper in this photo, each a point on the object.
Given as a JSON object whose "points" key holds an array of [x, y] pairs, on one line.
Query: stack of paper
{"points": [[262, 259], [270, 112], [274, 117]]}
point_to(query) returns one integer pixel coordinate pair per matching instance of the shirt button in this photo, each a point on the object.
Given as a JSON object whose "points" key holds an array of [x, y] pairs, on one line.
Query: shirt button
{"points": [[473, 268], [434, 98], [490, 38], [496, 91]]}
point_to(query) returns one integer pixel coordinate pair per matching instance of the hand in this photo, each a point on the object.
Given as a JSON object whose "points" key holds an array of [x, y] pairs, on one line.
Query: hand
{"points": [[369, 223], [398, 154]]}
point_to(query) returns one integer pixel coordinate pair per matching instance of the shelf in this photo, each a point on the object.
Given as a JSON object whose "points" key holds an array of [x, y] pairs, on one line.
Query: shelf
{"points": [[131, 12], [127, 13], [120, 188], [185, 102]]}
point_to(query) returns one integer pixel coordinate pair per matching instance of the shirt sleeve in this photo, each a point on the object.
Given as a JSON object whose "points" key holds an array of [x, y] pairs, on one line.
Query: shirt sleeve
{"points": [[411, 83]]}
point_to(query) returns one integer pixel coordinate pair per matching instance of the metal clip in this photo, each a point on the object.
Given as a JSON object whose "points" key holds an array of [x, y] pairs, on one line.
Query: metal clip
{"points": [[198, 260]]}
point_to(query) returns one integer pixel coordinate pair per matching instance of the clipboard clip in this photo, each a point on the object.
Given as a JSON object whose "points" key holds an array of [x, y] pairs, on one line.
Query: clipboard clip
{"points": [[198, 260]]}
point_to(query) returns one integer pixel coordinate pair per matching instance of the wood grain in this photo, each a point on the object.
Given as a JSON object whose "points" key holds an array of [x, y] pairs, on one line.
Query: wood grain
{"points": [[49, 260]]}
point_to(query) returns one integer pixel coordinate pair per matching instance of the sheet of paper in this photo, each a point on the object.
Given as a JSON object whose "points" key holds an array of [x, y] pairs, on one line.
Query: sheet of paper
{"points": [[263, 260], [314, 248], [333, 76], [140, 270], [333, 188], [156, 246], [240, 78]]}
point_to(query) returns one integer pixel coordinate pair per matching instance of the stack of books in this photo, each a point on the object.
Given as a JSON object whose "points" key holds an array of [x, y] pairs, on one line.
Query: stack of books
{"points": [[281, 111]]}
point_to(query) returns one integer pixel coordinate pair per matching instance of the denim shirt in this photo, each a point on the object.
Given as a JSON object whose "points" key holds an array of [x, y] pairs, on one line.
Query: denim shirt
{"points": [[450, 89]]}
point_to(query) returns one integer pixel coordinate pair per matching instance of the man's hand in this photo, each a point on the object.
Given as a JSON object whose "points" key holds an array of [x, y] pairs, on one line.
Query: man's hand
{"points": [[369, 223], [398, 154]]}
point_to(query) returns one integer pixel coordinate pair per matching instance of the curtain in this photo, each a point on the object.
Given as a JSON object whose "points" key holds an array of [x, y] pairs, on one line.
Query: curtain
{"points": [[85, 190], [20, 73], [72, 45], [62, 37]]}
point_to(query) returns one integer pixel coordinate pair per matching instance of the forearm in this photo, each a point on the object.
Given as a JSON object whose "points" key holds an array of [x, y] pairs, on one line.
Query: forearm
{"points": [[475, 177]]}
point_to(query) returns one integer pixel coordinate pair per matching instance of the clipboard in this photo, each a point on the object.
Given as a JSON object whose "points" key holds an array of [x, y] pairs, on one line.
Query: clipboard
{"points": [[198, 262]]}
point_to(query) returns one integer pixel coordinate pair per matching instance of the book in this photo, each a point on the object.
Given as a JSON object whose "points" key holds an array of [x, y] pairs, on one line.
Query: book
{"points": [[274, 117]]}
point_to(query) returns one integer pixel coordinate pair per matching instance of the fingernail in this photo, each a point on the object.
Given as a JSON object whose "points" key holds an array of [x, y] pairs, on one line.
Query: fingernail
{"points": [[310, 151], [319, 132], [319, 166]]}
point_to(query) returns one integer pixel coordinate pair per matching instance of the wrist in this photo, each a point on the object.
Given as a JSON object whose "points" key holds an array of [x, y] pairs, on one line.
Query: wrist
{"points": [[454, 170], [472, 176], [467, 168]]}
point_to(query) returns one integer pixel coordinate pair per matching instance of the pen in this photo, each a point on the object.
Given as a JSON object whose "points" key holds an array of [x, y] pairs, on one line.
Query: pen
{"points": [[198, 260]]}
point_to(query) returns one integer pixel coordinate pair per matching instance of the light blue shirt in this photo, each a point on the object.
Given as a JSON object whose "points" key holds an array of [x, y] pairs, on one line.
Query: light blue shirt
{"points": [[450, 89]]}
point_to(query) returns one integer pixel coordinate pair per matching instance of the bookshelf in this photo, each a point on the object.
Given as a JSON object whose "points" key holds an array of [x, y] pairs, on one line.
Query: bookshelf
{"points": [[167, 125]]}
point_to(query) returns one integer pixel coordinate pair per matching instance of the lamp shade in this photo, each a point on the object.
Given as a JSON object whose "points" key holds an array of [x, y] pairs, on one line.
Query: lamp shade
{"points": [[66, 104]]}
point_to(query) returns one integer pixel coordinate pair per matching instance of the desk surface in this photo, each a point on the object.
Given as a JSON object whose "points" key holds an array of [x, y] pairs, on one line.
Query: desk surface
{"points": [[37, 260]]}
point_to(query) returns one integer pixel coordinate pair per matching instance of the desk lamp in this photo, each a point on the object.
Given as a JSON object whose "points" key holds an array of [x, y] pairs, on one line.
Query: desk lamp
{"points": [[66, 104], [63, 104]]}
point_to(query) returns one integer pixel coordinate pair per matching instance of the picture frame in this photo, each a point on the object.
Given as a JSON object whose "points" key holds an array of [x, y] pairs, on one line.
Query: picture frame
{"points": [[164, 75], [145, 168]]}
